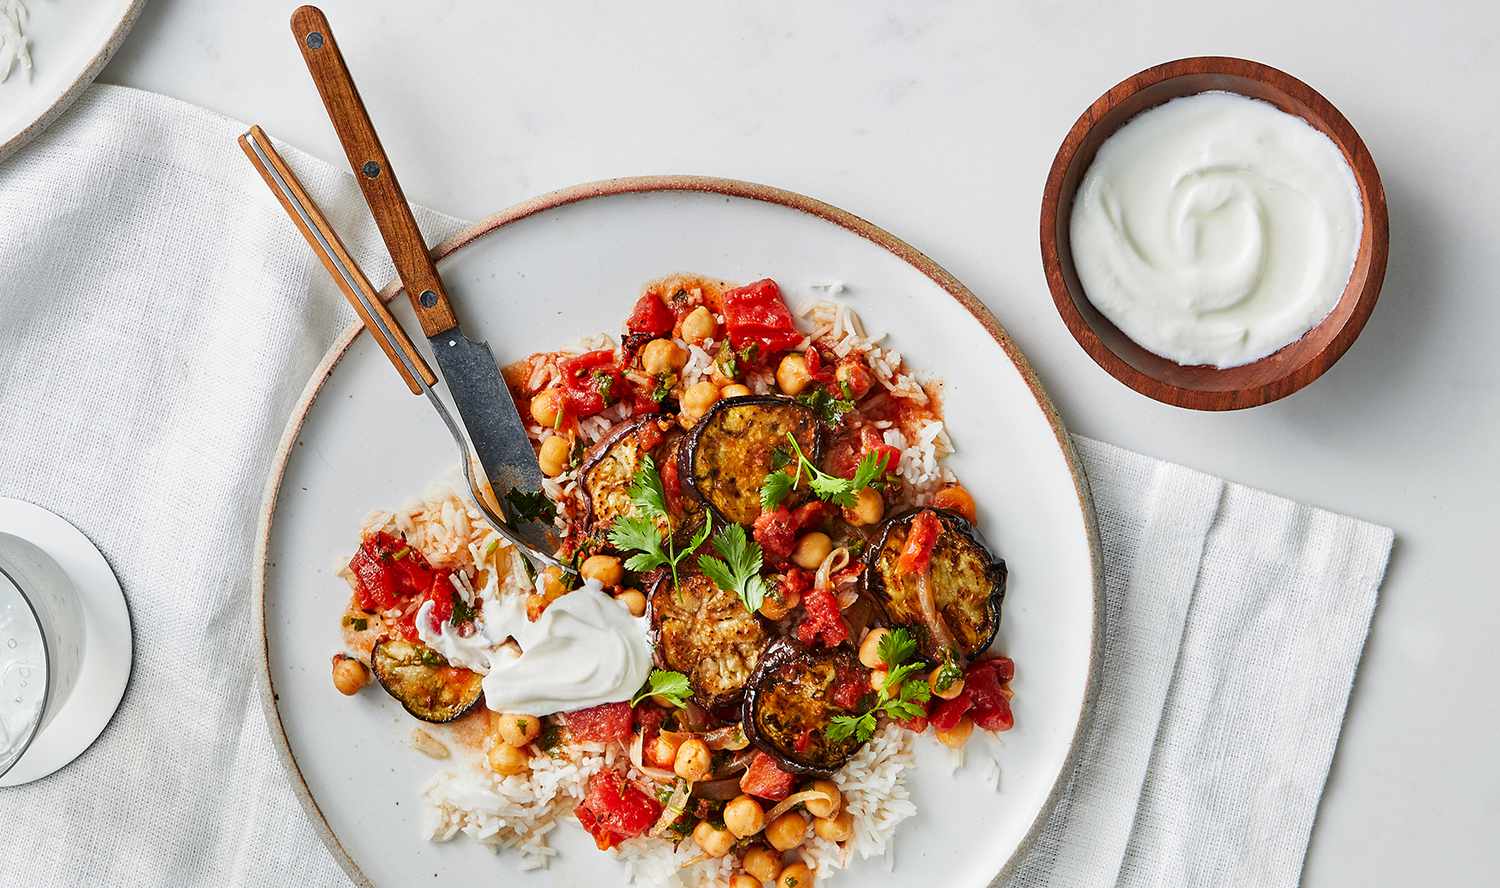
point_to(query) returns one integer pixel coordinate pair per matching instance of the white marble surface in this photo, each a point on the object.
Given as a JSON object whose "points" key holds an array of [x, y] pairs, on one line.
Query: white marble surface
{"points": [[938, 121]]}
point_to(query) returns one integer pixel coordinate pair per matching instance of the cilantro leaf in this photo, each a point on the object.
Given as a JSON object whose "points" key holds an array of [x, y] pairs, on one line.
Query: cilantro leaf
{"points": [[896, 646], [829, 410], [673, 687], [532, 506], [646, 492], [639, 532], [861, 727], [829, 488], [739, 572], [774, 490]]}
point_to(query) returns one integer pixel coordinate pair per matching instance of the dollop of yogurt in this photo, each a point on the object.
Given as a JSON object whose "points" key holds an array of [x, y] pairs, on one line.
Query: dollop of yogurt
{"points": [[584, 650], [1216, 228]]}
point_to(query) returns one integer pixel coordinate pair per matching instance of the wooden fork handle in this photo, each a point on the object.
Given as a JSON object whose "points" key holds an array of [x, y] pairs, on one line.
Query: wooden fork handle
{"points": [[373, 171], [331, 251]]}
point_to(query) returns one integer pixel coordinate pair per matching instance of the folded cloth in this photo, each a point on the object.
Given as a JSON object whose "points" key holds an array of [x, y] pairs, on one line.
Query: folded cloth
{"points": [[161, 316]]}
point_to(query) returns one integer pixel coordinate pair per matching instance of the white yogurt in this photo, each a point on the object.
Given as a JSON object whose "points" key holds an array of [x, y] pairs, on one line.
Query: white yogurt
{"points": [[586, 649], [1216, 228]]}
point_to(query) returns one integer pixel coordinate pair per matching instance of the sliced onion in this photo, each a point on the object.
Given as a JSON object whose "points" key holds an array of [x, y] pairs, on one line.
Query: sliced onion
{"points": [[637, 743], [732, 738], [796, 799], [676, 806], [836, 561], [941, 635]]}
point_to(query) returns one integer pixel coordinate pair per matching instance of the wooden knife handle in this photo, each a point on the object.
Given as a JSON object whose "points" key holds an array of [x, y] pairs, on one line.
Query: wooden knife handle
{"points": [[373, 171], [334, 255]]}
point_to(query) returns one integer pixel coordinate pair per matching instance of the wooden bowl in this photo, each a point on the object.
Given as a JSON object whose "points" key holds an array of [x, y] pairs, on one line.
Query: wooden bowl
{"points": [[1204, 387]]}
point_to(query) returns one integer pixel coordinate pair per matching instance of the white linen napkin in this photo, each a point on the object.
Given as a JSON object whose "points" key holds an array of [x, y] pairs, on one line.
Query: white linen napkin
{"points": [[160, 317]]}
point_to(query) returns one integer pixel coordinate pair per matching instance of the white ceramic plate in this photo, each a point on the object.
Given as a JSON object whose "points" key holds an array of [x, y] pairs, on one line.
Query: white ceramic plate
{"points": [[543, 274], [71, 40]]}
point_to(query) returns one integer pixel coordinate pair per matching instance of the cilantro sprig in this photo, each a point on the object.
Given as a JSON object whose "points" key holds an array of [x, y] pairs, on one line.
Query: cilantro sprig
{"points": [[739, 571], [896, 698], [778, 485], [638, 532], [531, 506], [663, 684]]}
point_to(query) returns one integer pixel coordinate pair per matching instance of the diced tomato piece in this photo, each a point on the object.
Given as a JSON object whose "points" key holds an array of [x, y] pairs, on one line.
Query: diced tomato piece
{"points": [[388, 572], [985, 683], [819, 368], [804, 740], [948, 712], [441, 596], [776, 532], [853, 374], [600, 724], [671, 476], [810, 515], [614, 810], [798, 580], [651, 316], [765, 780], [918, 724], [591, 382], [849, 686], [920, 539], [821, 620], [756, 315]]}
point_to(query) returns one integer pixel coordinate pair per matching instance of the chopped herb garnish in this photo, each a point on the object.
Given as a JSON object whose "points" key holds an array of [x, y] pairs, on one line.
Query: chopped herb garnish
{"points": [[638, 532], [673, 687], [739, 572], [896, 698], [533, 506], [604, 384], [830, 410], [729, 365], [948, 673], [550, 736], [463, 611], [829, 488], [359, 624], [664, 385], [401, 553]]}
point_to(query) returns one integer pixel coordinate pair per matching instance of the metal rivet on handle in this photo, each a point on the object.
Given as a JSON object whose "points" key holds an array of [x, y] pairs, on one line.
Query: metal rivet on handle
{"points": [[428, 299], [315, 40], [371, 169]]}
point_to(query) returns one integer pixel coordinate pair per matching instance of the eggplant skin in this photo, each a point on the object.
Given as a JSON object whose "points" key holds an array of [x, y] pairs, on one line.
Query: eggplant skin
{"points": [[967, 583], [423, 682], [727, 455], [789, 701], [608, 468], [705, 633]]}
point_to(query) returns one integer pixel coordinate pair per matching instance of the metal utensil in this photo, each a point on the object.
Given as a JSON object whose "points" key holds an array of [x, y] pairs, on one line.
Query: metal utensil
{"points": [[386, 331]]}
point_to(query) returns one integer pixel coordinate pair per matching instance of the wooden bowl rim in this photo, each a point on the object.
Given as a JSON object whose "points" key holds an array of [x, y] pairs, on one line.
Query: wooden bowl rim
{"points": [[1295, 377]]}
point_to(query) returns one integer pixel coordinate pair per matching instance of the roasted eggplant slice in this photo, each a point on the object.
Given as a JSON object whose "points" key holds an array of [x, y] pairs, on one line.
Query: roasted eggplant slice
{"points": [[792, 700], [608, 468], [423, 681], [965, 585], [729, 452], [705, 633]]}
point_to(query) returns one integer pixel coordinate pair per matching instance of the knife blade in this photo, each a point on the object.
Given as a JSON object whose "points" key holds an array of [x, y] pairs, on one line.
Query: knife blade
{"points": [[468, 367]]}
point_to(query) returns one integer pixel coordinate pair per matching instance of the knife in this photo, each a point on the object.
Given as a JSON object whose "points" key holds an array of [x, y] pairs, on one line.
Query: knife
{"points": [[467, 366]]}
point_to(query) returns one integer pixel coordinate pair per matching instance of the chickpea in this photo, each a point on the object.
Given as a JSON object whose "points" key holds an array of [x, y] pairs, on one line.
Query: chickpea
{"points": [[734, 390], [349, 675], [546, 405], [692, 762], [811, 549], [957, 735], [517, 730], [957, 499], [762, 863], [697, 399], [507, 760], [663, 752], [869, 649], [820, 808], [795, 876], [838, 828], [744, 816], [854, 377], [604, 568], [634, 601], [743, 880], [954, 688], [552, 589], [699, 325], [877, 679], [869, 508], [714, 840], [791, 374], [779, 603], [662, 356], [787, 831], [553, 457]]}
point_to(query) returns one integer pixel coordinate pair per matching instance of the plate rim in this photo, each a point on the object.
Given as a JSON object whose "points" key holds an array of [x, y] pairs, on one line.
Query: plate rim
{"points": [[84, 80], [663, 184]]}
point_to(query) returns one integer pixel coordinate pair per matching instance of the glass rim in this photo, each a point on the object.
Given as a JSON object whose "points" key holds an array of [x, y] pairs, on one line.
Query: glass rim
{"points": [[41, 713]]}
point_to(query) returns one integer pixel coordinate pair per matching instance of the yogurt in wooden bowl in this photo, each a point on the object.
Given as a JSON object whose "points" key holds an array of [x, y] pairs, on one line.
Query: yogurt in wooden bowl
{"points": [[1214, 233]]}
